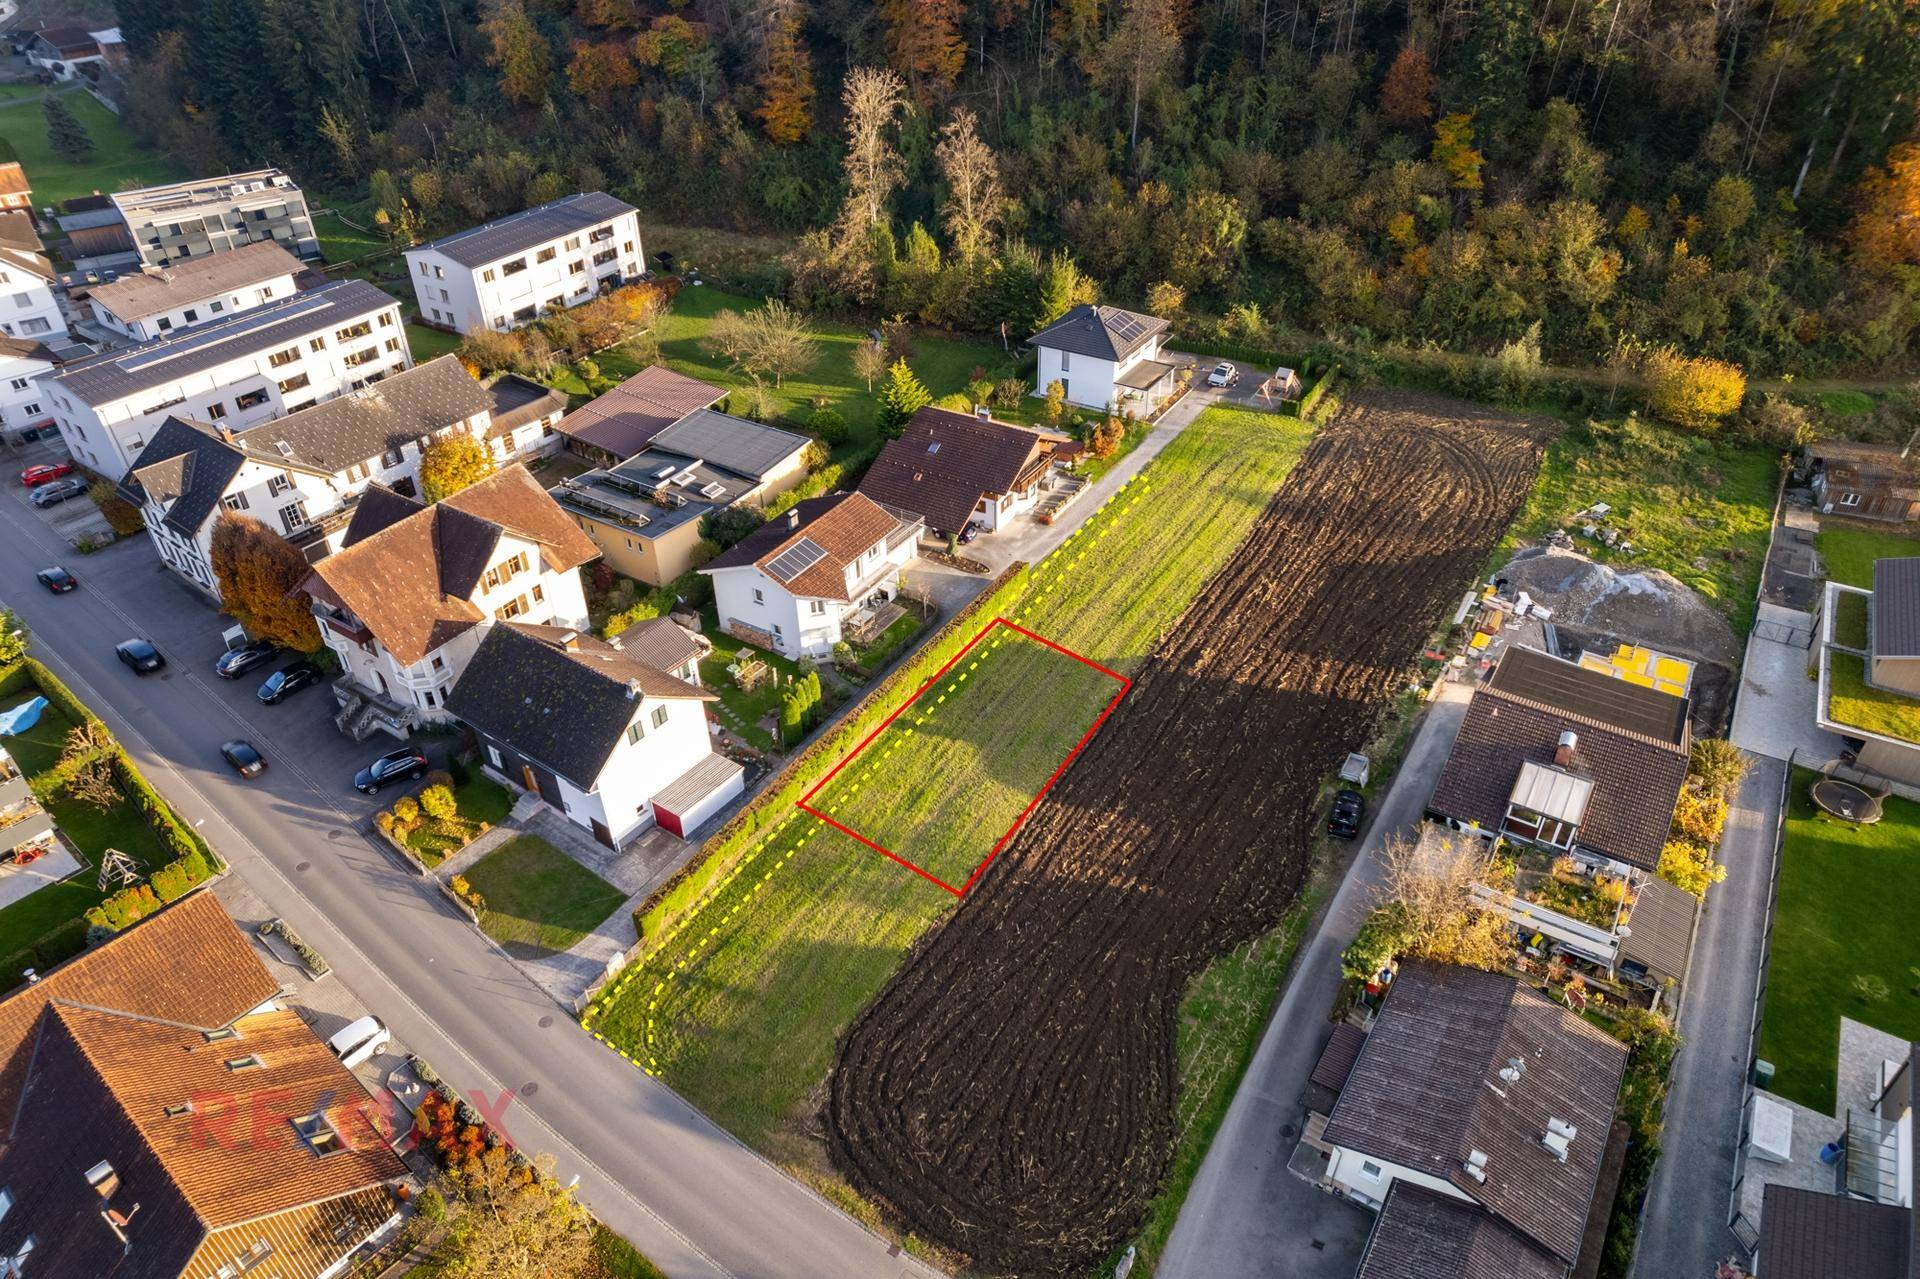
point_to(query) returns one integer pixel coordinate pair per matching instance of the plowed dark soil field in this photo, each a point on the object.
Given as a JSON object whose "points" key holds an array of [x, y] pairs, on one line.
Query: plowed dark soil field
{"points": [[1010, 1093]]}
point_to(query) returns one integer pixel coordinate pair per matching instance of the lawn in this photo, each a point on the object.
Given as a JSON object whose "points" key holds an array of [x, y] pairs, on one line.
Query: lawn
{"points": [[871, 657], [539, 901], [815, 922], [740, 710], [1851, 700], [341, 243], [1850, 620], [1849, 550], [429, 343], [117, 160], [479, 802], [1696, 508], [1843, 941]]}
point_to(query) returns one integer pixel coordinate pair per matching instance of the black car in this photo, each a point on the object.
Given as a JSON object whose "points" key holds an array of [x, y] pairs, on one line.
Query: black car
{"points": [[392, 767], [1349, 807], [236, 662], [56, 579], [288, 679], [141, 656], [245, 759]]}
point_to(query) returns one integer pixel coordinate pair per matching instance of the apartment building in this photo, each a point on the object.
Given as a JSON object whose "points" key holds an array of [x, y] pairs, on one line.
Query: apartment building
{"points": [[213, 215], [28, 308], [23, 363], [505, 273], [157, 300], [265, 363]]}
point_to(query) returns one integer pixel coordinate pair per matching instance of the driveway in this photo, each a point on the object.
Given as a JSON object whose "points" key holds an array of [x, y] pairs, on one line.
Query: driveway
{"points": [[1247, 1215]]}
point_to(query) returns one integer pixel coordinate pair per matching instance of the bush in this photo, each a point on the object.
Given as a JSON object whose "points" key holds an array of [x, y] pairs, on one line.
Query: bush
{"points": [[1716, 766], [383, 822], [1106, 437], [830, 426], [438, 777], [128, 906], [406, 812], [438, 803], [1008, 392], [1692, 391]]}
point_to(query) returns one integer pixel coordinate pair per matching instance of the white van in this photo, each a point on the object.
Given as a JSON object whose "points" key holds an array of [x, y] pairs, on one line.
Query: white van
{"points": [[360, 1040]]}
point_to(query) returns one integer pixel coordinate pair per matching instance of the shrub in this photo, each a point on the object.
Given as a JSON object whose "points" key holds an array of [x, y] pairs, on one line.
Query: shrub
{"points": [[1008, 392], [1779, 424], [1383, 935], [383, 821], [438, 803], [439, 777], [1106, 437], [1716, 766], [1692, 391], [1698, 817], [170, 882], [129, 905], [1690, 867], [829, 425], [460, 885], [406, 812]]}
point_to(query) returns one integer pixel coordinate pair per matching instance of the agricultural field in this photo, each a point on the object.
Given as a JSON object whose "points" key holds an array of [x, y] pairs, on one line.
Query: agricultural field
{"points": [[1012, 1094]]}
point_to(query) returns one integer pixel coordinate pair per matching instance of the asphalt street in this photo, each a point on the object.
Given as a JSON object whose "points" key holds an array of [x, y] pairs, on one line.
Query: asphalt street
{"points": [[685, 1192]]}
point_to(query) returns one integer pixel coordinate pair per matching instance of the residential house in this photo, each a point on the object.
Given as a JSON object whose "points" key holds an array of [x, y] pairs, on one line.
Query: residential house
{"points": [[799, 584], [523, 419], [410, 594], [1575, 773], [15, 191], [23, 405], [645, 514], [506, 272], [97, 239], [212, 215], [614, 426], [166, 1117], [301, 475], [28, 308], [953, 469], [611, 733], [273, 360], [157, 300], [1477, 1120], [63, 50], [1106, 358], [1871, 694], [1864, 481]]}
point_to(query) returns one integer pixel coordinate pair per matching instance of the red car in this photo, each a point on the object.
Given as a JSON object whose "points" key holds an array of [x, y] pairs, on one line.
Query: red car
{"points": [[34, 476]]}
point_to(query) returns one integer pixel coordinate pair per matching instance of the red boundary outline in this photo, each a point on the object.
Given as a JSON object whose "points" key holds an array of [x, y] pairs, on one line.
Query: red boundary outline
{"points": [[935, 678]]}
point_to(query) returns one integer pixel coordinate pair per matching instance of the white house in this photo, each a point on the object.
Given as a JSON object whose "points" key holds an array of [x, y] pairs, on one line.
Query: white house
{"points": [[523, 419], [28, 308], [612, 733], [22, 403], [300, 475], [411, 592], [1106, 358], [265, 363], [63, 50], [796, 583], [156, 300], [508, 271]]}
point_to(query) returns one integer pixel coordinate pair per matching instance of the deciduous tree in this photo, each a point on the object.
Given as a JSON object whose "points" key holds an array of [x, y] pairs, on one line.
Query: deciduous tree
{"points": [[259, 573], [773, 341], [786, 81], [1885, 229], [599, 71], [874, 98], [14, 637], [508, 1222], [1062, 288], [1432, 881], [451, 463], [521, 54], [1453, 149], [1406, 97], [972, 175], [1143, 46], [869, 361], [924, 43], [1693, 391]]}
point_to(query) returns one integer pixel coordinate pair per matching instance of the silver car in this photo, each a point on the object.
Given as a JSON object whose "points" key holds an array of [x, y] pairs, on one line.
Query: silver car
{"points": [[58, 491]]}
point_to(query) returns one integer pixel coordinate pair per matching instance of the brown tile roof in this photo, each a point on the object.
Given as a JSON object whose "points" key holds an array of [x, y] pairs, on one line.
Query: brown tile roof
{"points": [[13, 179], [1422, 1095], [1337, 1058], [1423, 1234], [841, 526], [624, 420], [156, 290], [412, 581], [1807, 1235], [16, 230], [945, 462]]}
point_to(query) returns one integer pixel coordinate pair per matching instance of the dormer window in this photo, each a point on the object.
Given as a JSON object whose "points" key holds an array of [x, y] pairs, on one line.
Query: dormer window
{"points": [[320, 1136], [248, 1062], [1546, 805]]}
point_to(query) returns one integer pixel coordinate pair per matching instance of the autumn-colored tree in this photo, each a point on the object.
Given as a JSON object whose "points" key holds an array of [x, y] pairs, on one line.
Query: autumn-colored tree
{"points": [[1104, 440], [520, 53], [1885, 229], [874, 98], [510, 1222], [786, 79], [1453, 150], [1406, 97], [1690, 867], [1716, 766], [972, 206], [924, 43], [869, 361], [599, 71], [1698, 817], [670, 43], [1432, 880], [259, 573], [900, 398], [1693, 391], [614, 15], [452, 463]]}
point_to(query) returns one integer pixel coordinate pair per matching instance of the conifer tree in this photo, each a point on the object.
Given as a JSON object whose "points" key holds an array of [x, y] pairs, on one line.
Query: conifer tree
{"points": [[900, 398], [65, 134]]}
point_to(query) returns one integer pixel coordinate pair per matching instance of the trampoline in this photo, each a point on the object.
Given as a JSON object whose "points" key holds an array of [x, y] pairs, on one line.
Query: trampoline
{"points": [[1846, 801]]}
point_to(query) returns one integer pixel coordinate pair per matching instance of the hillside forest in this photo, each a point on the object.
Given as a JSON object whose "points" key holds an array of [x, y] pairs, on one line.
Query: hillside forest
{"points": [[1735, 178]]}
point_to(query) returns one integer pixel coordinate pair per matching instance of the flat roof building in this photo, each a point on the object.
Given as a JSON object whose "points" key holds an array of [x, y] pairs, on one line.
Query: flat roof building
{"points": [[211, 215]]}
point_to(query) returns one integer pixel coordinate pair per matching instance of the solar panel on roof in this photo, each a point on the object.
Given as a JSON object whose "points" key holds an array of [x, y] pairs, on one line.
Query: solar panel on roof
{"points": [[797, 559], [1126, 326]]}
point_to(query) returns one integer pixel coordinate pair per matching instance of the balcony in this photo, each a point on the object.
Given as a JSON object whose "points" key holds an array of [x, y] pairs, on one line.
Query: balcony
{"points": [[348, 627]]}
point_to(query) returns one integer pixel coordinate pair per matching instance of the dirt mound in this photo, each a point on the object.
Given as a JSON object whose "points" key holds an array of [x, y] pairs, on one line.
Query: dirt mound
{"points": [[1011, 1092], [1641, 606]]}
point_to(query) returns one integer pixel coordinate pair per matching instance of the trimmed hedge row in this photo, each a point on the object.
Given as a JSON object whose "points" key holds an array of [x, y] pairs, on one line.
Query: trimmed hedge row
{"points": [[833, 475], [30, 671], [56, 947], [1311, 399]]}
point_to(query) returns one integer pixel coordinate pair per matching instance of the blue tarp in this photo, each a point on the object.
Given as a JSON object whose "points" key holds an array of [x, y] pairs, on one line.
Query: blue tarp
{"points": [[22, 717]]}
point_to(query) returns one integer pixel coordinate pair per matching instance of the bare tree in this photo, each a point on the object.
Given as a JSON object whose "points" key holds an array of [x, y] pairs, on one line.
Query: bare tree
{"points": [[869, 361], [874, 98], [973, 185], [1432, 879], [774, 341]]}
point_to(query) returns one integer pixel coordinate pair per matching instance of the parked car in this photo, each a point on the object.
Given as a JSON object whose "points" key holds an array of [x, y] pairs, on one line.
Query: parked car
{"points": [[288, 679], [971, 531], [56, 579], [1349, 808], [245, 759], [236, 662], [1223, 374], [394, 766], [359, 1040], [36, 475], [57, 492], [137, 653]]}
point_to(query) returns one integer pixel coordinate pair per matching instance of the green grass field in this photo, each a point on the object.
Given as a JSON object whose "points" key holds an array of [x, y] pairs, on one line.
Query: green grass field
{"points": [[117, 160], [1850, 620], [1849, 550], [539, 900], [342, 243], [807, 923], [1843, 941], [1698, 509], [1851, 700]]}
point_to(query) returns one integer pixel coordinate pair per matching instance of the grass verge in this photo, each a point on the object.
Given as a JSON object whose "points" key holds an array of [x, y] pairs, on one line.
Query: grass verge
{"points": [[539, 901], [1849, 550], [1851, 700]]}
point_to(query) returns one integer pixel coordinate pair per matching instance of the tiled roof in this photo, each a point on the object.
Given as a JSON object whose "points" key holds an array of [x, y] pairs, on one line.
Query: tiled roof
{"points": [[185, 467], [28, 260], [1423, 1234], [13, 179], [1896, 607], [560, 697], [506, 236], [398, 409], [1661, 936], [1337, 1057], [16, 230], [25, 349], [518, 401], [1099, 332], [379, 508], [945, 462], [154, 291], [1423, 1095], [1630, 708], [1808, 1235], [828, 533], [624, 421]]}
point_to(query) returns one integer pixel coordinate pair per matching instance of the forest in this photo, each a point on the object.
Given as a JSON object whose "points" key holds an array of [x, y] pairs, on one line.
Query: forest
{"points": [[1737, 179]]}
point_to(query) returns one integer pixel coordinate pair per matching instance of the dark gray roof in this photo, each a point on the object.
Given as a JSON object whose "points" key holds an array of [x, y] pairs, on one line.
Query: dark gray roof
{"points": [[351, 428], [187, 468], [1896, 607], [563, 707], [944, 463], [115, 375], [1423, 1095], [732, 443], [1099, 332], [1541, 677], [518, 401], [379, 508], [503, 237], [1808, 1235], [1423, 1234], [624, 420], [1661, 932]]}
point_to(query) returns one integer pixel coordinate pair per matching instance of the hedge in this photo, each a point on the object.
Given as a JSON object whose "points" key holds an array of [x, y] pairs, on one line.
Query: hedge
{"points": [[31, 671], [1311, 399], [834, 475], [57, 947]]}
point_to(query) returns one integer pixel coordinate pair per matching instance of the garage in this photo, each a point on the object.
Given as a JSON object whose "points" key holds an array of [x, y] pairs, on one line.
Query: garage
{"points": [[697, 794]]}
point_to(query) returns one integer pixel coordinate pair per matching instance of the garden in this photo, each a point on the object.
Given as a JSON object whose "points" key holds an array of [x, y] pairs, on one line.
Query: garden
{"points": [[535, 900], [1849, 550], [452, 810], [116, 161], [1853, 701]]}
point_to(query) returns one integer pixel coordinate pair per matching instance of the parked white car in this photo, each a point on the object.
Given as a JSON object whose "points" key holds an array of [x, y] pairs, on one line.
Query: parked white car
{"points": [[1223, 374], [360, 1040]]}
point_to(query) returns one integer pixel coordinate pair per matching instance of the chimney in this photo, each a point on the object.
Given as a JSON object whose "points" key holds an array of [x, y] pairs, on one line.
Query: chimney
{"points": [[571, 641], [226, 432], [1563, 753], [1559, 1138], [1476, 1166], [980, 411], [633, 689], [793, 517], [32, 976]]}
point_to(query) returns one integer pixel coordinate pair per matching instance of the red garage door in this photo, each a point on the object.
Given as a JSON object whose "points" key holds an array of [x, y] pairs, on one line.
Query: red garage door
{"points": [[669, 821]]}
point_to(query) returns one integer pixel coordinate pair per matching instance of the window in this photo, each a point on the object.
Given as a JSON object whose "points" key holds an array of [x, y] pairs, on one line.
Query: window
{"points": [[392, 344], [386, 319], [190, 315], [318, 1134], [487, 275], [776, 630], [216, 410], [423, 268], [512, 608], [1370, 1169], [292, 517], [439, 273], [317, 344], [426, 699], [225, 1032], [390, 458], [19, 384], [165, 323], [819, 607], [547, 254], [635, 732], [573, 242], [445, 296], [524, 314], [295, 383], [248, 1062], [759, 596], [601, 233], [266, 294], [234, 501], [353, 331], [576, 267], [1849, 499], [539, 596], [31, 409], [6, 1202], [359, 358], [659, 716], [216, 306], [36, 325], [246, 1261], [514, 267], [493, 756], [251, 400], [1065, 361], [280, 359]]}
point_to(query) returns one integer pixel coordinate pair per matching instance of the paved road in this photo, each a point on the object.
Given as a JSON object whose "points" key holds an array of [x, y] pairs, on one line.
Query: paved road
{"points": [[688, 1195], [1247, 1214], [1684, 1227]]}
